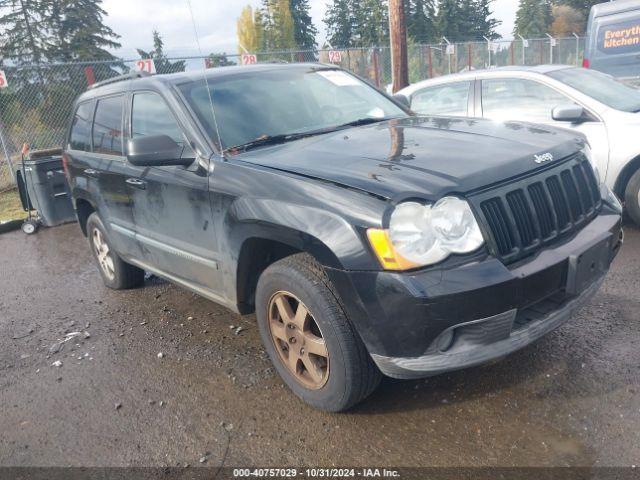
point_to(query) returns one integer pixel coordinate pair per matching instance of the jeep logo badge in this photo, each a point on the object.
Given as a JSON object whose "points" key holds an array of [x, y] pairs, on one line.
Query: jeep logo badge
{"points": [[545, 157]]}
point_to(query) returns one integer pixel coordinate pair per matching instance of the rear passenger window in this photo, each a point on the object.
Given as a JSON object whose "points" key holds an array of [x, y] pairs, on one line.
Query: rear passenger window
{"points": [[450, 99], [107, 126], [152, 116], [80, 138]]}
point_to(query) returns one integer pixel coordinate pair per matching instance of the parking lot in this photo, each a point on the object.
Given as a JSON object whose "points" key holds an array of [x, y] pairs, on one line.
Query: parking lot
{"points": [[212, 398]]}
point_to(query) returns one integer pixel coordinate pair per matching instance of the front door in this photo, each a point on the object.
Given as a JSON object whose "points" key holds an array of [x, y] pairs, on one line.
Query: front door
{"points": [[171, 207], [114, 202], [531, 101]]}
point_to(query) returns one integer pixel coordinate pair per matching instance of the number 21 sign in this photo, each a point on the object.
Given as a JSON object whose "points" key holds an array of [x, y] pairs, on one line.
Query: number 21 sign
{"points": [[146, 65], [3, 80]]}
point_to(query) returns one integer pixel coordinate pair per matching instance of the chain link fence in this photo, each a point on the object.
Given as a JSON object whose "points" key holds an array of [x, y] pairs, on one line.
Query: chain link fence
{"points": [[35, 107]]}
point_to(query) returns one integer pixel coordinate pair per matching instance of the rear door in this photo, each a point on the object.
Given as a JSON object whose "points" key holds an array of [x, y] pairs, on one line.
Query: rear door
{"points": [[81, 164], [114, 201], [171, 205]]}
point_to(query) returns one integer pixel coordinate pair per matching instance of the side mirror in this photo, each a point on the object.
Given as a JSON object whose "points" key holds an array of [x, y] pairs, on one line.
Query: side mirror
{"points": [[569, 113], [156, 151], [402, 100]]}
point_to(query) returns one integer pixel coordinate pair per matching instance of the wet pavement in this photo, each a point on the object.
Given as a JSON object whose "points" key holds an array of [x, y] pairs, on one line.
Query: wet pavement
{"points": [[572, 398]]}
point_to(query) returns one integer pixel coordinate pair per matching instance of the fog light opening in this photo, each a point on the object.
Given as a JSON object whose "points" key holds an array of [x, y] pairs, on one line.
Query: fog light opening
{"points": [[445, 340]]}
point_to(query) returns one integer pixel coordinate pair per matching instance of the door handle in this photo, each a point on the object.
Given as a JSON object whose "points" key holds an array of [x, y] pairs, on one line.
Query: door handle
{"points": [[90, 172], [137, 183]]}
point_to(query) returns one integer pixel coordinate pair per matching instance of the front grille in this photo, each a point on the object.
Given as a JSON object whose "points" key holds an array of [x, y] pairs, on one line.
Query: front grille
{"points": [[524, 216]]}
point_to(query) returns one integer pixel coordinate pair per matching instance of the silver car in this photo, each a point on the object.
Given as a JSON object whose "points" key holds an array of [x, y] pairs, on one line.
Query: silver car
{"points": [[605, 110]]}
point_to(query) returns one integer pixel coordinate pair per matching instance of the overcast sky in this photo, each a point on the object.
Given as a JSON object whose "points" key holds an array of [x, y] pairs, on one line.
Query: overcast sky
{"points": [[134, 20]]}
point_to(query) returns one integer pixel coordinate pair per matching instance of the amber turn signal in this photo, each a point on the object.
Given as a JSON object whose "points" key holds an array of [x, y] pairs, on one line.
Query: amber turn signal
{"points": [[388, 257]]}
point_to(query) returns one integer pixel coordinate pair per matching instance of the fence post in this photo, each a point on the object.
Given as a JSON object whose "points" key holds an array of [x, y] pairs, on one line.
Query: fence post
{"points": [[376, 71], [469, 62], [430, 59], [513, 53], [6, 152], [577, 49]]}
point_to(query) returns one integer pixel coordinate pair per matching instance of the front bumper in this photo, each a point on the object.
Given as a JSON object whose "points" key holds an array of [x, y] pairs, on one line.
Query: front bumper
{"points": [[425, 323]]}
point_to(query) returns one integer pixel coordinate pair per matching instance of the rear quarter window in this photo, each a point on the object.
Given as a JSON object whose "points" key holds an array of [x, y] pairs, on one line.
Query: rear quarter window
{"points": [[80, 137]]}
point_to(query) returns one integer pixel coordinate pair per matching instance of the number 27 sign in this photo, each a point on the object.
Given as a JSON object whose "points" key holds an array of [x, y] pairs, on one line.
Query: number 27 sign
{"points": [[3, 80], [146, 65]]}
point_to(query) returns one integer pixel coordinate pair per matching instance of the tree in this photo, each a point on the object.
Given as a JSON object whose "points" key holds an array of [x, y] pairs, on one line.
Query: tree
{"points": [[582, 6], [420, 16], [77, 31], [24, 36], [339, 22], [533, 18], [162, 63], [357, 23], [566, 21], [303, 28], [482, 23], [278, 25], [448, 20], [247, 31]]}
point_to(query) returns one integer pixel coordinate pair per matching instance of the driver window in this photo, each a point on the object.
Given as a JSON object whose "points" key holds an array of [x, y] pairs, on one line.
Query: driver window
{"points": [[150, 115], [451, 100], [519, 99]]}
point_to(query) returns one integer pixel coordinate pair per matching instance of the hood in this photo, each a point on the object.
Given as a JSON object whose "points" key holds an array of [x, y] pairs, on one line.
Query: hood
{"points": [[429, 157]]}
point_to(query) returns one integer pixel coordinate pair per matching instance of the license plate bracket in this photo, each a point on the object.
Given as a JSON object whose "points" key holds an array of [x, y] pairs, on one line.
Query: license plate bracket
{"points": [[587, 266]]}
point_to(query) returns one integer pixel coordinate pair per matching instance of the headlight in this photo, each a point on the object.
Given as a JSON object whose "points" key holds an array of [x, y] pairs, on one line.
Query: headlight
{"points": [[421, 235], [587, 153], [610, 198]]}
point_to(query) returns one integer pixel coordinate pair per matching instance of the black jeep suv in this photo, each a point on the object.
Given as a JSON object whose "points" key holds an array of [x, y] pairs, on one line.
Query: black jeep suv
{"points": [[366, 239]]}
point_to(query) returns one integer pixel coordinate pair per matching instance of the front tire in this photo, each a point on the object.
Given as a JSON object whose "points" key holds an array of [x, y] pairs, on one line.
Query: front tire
{"points": [[115, 273], [632, 198], [309, 338]]}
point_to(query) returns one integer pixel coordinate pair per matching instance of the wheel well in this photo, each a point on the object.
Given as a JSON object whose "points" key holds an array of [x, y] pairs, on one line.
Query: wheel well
{"points": [[83, 210], [255, 256], [624, 177]]}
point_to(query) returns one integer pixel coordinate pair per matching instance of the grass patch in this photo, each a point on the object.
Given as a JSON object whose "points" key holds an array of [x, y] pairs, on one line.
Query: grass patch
{"points": [[10, 206]]}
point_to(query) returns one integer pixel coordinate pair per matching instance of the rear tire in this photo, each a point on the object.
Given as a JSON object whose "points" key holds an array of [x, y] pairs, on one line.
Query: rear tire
{"points": [[632, 198], [115, 273], [347, 375]]}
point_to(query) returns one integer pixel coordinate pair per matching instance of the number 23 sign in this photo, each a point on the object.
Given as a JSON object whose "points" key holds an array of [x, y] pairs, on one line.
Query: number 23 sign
{"points": [[146, 65], [3, 80]]}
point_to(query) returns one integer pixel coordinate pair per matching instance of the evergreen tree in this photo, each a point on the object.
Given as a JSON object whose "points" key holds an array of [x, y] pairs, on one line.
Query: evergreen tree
{"points": [[24, 33], [339, 22], [449, 19], [162, 63], [420, 15], [481, 25], [303, 28], [533, 18], [278, 25], [77, 31]]}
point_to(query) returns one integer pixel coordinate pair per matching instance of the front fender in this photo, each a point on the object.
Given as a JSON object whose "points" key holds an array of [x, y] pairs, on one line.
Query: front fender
{"points": [[326, 235]]}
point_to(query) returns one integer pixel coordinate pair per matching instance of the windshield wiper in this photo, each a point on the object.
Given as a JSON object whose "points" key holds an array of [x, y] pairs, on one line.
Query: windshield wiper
{"points": [[364, 121], [270, 140]]}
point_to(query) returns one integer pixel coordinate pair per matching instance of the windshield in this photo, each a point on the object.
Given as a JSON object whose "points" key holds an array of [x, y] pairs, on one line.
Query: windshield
{"points": [[284, 101], [602, 87]]}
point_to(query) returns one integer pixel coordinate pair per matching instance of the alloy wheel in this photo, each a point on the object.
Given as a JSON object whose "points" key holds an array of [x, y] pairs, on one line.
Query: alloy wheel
{"points": [[103, 254], [298, 340]]}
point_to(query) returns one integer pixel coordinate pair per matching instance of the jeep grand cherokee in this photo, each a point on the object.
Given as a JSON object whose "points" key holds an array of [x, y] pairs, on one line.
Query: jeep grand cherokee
{"points": [[366, 240]]}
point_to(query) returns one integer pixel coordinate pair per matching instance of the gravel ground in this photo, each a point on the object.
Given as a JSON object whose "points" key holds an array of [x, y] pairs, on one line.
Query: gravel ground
{"points": [[572, 398]]}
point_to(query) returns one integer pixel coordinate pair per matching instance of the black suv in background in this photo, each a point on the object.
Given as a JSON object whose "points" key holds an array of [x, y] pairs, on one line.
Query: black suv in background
{"points": [[366, 239]]}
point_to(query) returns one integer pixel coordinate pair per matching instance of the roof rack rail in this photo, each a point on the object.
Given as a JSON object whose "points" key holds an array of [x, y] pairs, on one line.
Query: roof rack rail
{"points": [[121, 78]]}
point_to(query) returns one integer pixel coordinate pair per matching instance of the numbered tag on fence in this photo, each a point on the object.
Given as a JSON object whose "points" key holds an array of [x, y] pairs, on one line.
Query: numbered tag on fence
{"points": [[494, 47], [525, 43], [554, 42], [451, 49], [146, 65], [335, 56], [249, 59], [3, 80]]}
